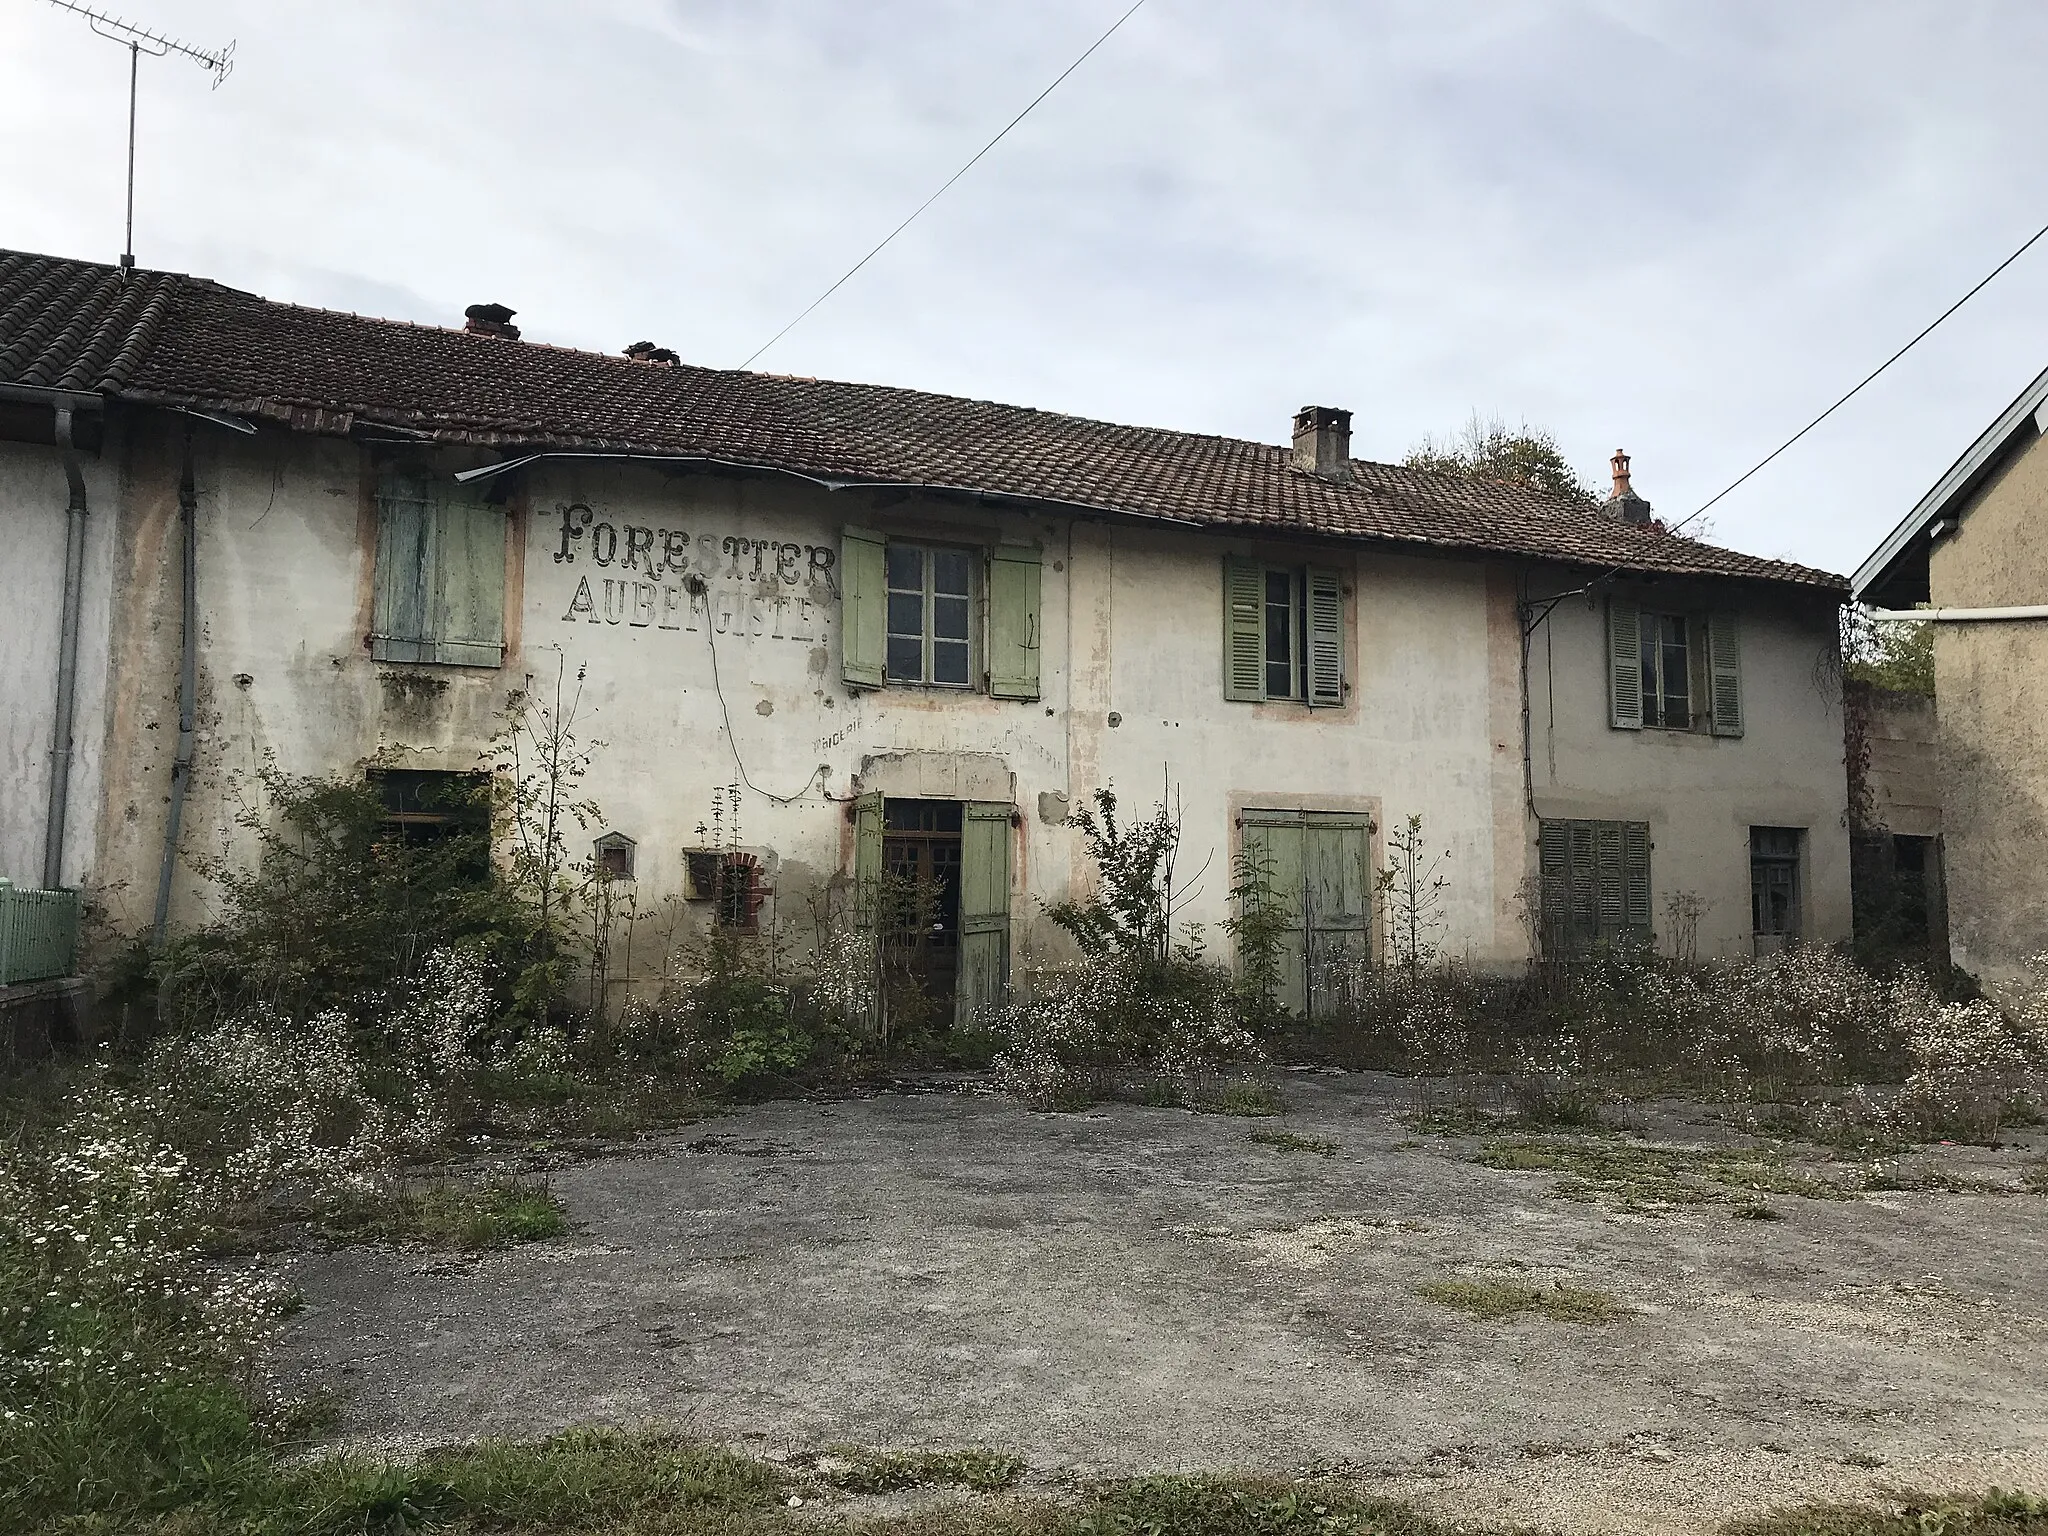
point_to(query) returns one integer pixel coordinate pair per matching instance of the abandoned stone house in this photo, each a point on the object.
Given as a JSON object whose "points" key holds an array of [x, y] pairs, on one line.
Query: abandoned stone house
{"points": [[1972, 550], [909, 631]]}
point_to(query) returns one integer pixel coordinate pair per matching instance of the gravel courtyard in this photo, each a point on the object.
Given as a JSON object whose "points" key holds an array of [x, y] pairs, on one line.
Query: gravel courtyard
{"points": [[1135, 1290]]}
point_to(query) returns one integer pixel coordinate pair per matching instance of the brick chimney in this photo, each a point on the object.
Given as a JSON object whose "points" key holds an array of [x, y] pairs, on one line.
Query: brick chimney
{"points": [[1624, 505], [1322, 440], [490, 320]]}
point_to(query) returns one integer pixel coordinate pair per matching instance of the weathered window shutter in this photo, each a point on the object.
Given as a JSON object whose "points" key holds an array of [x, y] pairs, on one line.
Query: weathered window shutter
{"points": [[863, 607], [1244, 629], [1013, 623], [1635, 877], [1276, 838], [1554, 881], [1724, 666], [1325, 638], [469, 579], [984, 977], [1624, 664], [1608, 875], [1582, 916], [401, 621]]}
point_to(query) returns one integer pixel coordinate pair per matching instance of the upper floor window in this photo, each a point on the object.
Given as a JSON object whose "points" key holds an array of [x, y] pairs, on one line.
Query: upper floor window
{"points": [[931, 603], [939, 615], [440, 593], [1283, 633], [1667, 670], [1673, 671]]}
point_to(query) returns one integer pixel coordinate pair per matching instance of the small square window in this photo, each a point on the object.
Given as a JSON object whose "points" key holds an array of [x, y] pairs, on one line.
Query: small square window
{"points": [[614, 856]]}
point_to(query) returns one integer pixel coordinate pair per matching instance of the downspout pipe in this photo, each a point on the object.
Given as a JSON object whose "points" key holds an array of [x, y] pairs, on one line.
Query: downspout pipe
{"points": [[188, 667], [1958, 615], [67, 656]]}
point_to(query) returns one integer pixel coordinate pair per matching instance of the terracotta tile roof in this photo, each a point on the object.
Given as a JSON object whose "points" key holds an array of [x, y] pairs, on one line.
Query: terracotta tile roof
{"points": [[324, 370], [75, 325]]}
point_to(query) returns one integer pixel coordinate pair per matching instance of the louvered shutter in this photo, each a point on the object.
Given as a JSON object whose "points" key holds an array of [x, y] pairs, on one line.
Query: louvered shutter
{"points": [[1635, 877], [1325, 638], [1582, 917], [863, 607], [1724, 666], [1244, 629], [469, 583], [1013, 623], [1609, 875], [1554, 886], [401, 621], [1624, 664]]}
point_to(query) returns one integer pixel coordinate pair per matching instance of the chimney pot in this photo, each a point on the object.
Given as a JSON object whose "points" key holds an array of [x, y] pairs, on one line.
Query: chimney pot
{"points": [[1322, 440], [490, 320], [1625, 505]]}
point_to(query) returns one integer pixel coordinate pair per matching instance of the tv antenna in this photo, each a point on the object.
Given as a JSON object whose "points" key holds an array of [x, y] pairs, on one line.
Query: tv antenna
{"points": [[138, 41]]}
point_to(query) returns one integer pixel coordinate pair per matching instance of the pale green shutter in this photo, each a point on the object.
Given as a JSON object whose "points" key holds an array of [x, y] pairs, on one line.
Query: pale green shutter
{"points": [[984, 911], [867, 905], [1608, 873], [1554, 880], [1724, 665], [469, 578], [1625, 664], [1276, 836], [1635, 877], [1244, 629], [1582, 915], [863, 607], [401, 621], [1013, 626], [1325, 626], [1337, 897]]}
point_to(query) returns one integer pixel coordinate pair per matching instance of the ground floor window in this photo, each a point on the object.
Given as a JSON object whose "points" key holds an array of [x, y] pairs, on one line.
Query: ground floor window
{"points": [[1316, 867], [1595, 878], [1774, 886]]}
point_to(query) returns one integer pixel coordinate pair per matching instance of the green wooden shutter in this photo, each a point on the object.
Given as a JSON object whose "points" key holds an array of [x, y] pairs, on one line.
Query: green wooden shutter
{"points": [[1337, 894], [1013, 627], [401, 621], [863, 607], [1244, 629], [1325, 603], [1635, 878], [469, 582], [1724, 665], [867, 887], [984, 977], [1609, 878], [1582, 916], [1277, 837], [1624, 664], [1554, 887]]}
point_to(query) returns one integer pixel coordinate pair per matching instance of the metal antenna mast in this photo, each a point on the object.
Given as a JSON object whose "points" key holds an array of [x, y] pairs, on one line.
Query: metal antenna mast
{"points": [[138, 41]]}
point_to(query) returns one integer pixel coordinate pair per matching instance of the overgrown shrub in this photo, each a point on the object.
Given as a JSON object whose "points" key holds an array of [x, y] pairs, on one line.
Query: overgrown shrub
{"points": [[1142, 1009]]}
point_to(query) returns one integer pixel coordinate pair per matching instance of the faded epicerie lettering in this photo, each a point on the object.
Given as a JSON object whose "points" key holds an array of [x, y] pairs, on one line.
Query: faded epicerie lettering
{"points": [[754, 588]]}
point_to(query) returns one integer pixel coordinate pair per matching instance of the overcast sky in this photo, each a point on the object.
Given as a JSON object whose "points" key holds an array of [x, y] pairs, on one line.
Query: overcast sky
{"points": [[1680, 228]]}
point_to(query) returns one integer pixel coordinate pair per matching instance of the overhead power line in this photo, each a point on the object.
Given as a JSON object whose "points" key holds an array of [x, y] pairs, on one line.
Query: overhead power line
{"points": [[1982, 284], [948, 182]]}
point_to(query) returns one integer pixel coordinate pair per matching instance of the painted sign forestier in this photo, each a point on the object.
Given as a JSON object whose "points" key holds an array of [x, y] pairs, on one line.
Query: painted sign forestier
{"points": [[757, 588]]}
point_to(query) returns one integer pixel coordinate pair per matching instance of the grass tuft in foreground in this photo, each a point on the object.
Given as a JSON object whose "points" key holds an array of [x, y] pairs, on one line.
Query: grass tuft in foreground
{"points": [[1493, 1300], [1287, 1141], [1641, 1176], [1997, 1513], [448, 1215], [854, 1469]]}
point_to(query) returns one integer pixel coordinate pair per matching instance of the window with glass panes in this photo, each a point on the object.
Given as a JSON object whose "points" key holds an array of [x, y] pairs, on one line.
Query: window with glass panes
{"points": [[1283, 634], [931, 606], [1667, 671]]}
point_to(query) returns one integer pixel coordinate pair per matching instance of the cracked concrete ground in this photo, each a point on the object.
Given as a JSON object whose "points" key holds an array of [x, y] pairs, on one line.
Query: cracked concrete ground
{"points": [[1138, 1290]]}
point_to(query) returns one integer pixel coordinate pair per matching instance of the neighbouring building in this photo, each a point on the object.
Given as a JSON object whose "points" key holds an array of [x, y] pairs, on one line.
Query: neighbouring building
{"points": [[1895, 849], [882, 629], [1975, 551]]}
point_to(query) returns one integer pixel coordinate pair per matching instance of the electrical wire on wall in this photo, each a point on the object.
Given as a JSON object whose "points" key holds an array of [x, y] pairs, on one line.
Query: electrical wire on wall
{"points": [[698, 587]]}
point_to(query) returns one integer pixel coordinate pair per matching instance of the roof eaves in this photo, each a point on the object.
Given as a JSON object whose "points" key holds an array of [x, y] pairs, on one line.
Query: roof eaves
{"points": [[1961, 478]]}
